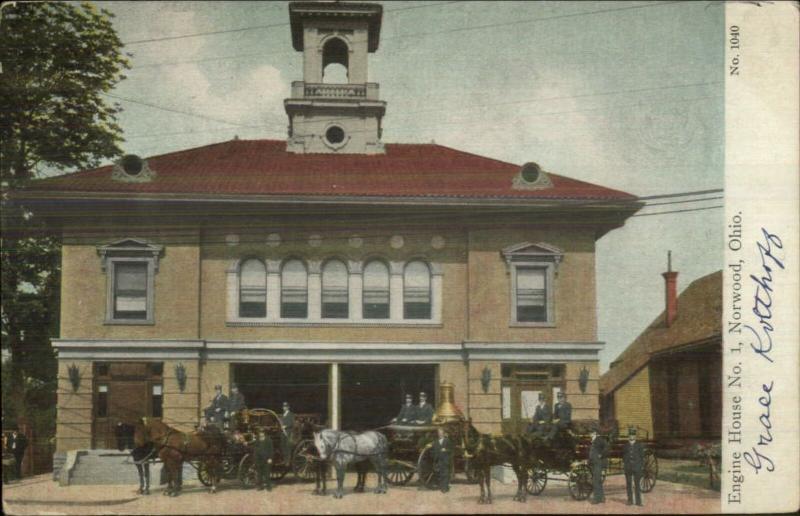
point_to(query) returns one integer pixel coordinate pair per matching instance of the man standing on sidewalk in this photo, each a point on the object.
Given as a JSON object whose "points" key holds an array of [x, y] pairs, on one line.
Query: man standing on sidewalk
{"points": [[262, 455], [597, 461], [633, 464], [16, 445]]}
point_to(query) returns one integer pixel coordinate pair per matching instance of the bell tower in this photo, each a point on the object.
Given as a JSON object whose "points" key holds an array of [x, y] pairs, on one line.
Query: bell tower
{"points": [[328, 113]]}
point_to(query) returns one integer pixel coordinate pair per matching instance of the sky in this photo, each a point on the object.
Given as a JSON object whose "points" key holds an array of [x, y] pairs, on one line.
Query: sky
{"points": [[629, 95]]}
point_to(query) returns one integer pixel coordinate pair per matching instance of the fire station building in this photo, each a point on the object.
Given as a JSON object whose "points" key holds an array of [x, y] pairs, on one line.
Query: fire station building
{"points": [[331, 270]]}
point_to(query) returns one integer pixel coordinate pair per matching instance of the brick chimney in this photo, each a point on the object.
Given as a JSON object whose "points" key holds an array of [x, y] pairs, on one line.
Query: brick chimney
{"points": [[671, 291]]}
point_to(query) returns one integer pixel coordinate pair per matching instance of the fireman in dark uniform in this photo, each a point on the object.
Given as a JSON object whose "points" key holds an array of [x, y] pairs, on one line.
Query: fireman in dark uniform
{"points": [[633, 465], [262, 455]]}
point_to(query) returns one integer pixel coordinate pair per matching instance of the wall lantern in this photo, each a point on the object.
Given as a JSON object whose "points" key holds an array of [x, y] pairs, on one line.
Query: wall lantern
{"points": [[74, 377], [486, 378], [583, 379], [180, 375]]}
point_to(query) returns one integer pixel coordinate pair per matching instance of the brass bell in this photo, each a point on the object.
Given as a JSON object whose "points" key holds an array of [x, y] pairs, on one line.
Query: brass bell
{"points": [[447, 410]]}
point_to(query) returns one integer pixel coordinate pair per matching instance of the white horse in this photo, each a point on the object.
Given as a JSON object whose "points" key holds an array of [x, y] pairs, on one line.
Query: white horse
{"points": [[343, 448]]}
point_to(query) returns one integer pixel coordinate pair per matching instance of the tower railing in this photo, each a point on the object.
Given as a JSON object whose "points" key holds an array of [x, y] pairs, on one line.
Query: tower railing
{"points": [[368, 91]]}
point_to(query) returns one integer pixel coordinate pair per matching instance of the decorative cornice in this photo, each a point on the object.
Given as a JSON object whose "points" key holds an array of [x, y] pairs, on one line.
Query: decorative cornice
{"points": [[130, 247]]}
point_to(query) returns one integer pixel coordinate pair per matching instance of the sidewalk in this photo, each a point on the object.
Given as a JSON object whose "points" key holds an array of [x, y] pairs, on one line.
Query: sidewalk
{"points": [[40, 495], [42, 489]]}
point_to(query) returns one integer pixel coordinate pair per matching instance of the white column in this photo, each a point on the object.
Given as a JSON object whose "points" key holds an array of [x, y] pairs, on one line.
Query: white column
{"points": [[436, 297], [273, 290], [232, 307], [396, 291], [314, 291], [333, 397], [355, 291]]}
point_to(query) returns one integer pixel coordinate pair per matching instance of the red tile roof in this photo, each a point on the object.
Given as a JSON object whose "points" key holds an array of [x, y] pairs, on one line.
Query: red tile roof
{"points": [[263, 167]]}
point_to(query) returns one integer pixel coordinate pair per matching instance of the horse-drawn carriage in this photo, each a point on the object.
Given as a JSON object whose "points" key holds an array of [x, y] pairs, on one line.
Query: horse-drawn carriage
{"points": [[409, 453], [236, 460], [568, 455]]}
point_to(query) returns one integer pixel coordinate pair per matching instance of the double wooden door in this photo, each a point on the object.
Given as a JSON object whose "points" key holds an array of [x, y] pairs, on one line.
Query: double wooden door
{"points": [[519, 400]]}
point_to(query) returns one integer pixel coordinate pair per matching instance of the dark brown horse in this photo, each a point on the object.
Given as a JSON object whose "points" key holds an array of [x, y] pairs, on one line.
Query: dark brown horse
{"points": [[175, 447], [485, 451]]}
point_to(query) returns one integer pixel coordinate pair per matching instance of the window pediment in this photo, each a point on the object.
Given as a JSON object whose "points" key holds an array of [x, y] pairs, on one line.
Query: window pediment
{"points": [[527, 251], [130, 247]]}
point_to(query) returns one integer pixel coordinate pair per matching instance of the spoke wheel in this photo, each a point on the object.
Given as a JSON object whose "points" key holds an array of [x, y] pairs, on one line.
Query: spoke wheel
{"points": [[427, 476], [580, 482], [203, 475], [650, 472], [400, 474], [247, 471], [303, 465], [537, 480]]}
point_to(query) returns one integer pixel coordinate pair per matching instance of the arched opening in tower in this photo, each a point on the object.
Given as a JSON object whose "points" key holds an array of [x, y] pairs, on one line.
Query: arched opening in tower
{"points": [[335, 62]]}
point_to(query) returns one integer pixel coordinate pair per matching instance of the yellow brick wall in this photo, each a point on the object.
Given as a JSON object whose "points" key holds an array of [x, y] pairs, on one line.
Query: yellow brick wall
{"points": [[74, 408], [585, 405], [485, 407], [490, 287], [181, 408], [83, 295], [632, 403]]}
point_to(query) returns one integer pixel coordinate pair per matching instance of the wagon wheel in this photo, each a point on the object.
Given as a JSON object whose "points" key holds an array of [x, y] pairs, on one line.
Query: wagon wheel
{"points": [[580, 482], [228, 467], [400, 473], [470, 471], [303, 465], [203, 475], [247, 471], [649, 472], [427, 475], [537, 479]]}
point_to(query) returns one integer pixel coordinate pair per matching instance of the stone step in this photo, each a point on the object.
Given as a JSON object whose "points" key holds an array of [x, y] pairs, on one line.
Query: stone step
{"points": [[111, 467]]}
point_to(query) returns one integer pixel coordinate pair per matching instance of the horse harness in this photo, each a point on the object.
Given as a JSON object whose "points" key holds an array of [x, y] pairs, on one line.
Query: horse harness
{"points": [[351, 435]]}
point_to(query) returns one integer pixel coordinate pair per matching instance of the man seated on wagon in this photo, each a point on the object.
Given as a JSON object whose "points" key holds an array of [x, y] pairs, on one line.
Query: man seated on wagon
{"points": [[423, 413], [235, 405], [562, 415], [541, 420], [215, 412], [408, 413]]}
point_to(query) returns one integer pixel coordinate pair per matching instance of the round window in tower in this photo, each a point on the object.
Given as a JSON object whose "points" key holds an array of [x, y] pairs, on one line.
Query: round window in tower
{"points": [[132, 164], [334, 135]]}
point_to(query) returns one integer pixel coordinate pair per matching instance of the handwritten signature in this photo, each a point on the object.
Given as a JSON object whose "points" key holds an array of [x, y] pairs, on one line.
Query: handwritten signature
{"points": [[762, 300]]}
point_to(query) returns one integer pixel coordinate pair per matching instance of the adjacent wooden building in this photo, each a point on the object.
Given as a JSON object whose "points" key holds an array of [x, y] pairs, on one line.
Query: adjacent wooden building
{"points": [[668, 382]]}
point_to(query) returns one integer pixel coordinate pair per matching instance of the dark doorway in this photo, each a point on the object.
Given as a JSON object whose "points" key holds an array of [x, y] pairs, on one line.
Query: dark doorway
{"points": [[304, 386], [371, 395]]}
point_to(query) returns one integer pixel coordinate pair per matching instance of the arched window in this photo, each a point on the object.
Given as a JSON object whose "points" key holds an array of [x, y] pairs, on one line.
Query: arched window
{"points": [[376, 290], [294, 290], [334, 290], [335, 62], [252, 289], [417, 291]]}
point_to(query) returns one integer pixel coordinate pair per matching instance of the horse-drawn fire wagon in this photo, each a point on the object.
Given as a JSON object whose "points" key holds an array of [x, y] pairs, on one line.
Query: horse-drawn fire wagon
{"points": [[567, 455], [409, 453], [236, 461]]}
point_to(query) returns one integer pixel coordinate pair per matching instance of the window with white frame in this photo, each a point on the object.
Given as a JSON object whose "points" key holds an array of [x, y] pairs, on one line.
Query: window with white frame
{"points": [[335, 301], [294, 290], [130, 265], [417, 291], [531, 294], [376, 290], [130, 290], [532, 269], [252, 289]]}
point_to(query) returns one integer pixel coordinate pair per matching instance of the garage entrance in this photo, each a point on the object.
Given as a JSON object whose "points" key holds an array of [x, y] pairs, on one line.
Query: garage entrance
{"points": [[304, 386], [371, 395]]}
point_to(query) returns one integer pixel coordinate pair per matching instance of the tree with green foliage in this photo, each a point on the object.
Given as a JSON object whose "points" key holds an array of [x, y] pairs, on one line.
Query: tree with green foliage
{"points": [[58, 59]]}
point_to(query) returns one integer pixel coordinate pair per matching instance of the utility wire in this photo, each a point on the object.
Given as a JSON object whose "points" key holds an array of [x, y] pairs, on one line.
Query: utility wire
{"points": [[261, 27], [677, 211]]}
